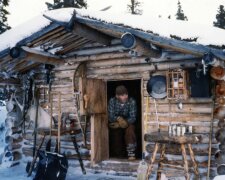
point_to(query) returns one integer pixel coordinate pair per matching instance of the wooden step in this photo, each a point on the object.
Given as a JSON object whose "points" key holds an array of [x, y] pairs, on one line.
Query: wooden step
{"points": [[117, 167]]}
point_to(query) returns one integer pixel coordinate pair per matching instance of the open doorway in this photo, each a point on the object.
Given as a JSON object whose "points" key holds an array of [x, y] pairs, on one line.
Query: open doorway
{"points": [[117, 147]]}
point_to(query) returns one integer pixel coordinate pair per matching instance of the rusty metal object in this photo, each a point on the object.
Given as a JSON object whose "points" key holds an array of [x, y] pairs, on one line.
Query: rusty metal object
{"points": [[218, 73]]}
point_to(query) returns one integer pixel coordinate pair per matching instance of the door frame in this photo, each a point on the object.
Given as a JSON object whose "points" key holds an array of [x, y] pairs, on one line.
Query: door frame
{"points": [[141, 111], [95, 125]]}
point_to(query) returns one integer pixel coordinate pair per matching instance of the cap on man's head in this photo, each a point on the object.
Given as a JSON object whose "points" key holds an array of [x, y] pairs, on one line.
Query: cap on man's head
{"points": [[121, 90]]}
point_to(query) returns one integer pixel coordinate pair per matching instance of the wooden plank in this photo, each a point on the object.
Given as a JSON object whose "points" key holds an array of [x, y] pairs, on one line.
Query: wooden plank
{"points": [[99, 138], [95, 89], [187, 175], [91, 34], [199, 149], [49, 37], [37, 35], [162, 137], [83, 30]]}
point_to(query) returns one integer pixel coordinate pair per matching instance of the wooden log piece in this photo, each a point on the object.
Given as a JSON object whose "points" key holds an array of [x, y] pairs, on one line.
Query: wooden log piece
{"points": [[187, 176], [195, 166], [162, 137], [160, 164], [152, 160]]}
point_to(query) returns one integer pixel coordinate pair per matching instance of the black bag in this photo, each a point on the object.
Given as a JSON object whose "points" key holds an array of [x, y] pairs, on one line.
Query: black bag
{"points": [[51, 166]]}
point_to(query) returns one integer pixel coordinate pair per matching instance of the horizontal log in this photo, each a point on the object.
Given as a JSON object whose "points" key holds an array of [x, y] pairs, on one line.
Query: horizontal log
{"points": [[187, 108], [97, 57], [138, 45], [163, 137], [115, 62], [196, 129], [9, 81], [187, 101], [125, 76], [169, 117], [141, 68], [99, 50]]}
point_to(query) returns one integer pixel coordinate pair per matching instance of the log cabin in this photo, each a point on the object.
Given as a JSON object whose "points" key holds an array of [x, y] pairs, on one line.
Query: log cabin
{"points": [[81, 53]]}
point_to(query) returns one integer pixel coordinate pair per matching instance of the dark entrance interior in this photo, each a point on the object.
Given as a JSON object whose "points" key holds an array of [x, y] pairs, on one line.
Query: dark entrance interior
{"points": [[117, 148]]}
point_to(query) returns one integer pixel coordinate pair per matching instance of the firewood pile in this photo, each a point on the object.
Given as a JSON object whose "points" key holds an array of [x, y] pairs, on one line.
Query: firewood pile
{"points": [[218, 73]]}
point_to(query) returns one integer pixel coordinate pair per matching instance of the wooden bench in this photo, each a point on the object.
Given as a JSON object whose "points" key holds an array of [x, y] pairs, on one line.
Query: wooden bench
{"points": [[163, 138]]}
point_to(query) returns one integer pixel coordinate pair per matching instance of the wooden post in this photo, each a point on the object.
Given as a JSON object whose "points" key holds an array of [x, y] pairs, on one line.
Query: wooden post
{"points": [[185, 161], [152, 160], [195, 165], [160, 161]]}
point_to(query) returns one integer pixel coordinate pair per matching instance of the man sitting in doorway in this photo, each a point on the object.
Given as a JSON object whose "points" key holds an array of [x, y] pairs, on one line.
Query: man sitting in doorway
{"points": [[122, 112]]}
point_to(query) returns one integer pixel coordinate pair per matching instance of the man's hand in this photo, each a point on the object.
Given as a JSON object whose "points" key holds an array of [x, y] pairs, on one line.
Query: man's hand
{"points": [[114, 125], [122, 122]]}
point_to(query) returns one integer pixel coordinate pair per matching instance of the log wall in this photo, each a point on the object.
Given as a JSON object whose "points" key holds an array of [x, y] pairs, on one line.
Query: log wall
{"points": [[120, 66]]}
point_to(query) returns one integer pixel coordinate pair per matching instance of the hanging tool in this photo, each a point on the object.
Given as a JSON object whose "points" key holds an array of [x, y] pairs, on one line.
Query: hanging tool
{"points": [[59, 121], [73, 137], [48, 145], [210, 134], [86, 101], [30, 165], [36, 121]]}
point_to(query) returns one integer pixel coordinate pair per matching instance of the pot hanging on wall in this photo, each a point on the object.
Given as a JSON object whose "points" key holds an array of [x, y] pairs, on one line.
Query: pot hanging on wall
{"points": [[156, 87]]}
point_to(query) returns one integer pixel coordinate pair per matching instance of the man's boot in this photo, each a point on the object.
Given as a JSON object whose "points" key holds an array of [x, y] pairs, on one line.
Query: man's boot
{"points": [[131, 152]]}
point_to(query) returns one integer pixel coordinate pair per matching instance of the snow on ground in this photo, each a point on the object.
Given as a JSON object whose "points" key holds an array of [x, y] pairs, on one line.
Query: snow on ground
{"points": [[222, 177], [18, 173]]}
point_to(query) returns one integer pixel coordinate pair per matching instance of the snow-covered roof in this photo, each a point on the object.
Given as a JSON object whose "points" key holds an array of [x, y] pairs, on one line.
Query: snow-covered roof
{"points": [[201, 34]]}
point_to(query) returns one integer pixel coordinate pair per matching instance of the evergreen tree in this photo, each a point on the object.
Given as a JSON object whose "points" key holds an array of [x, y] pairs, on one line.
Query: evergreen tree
{"points": [[180, 14], [3, 16], [67, 3], [133, 8], [220, 18]]}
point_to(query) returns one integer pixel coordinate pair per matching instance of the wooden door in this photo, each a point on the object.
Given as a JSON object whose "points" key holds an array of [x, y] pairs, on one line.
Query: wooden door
{"points": [[95, 90]]}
